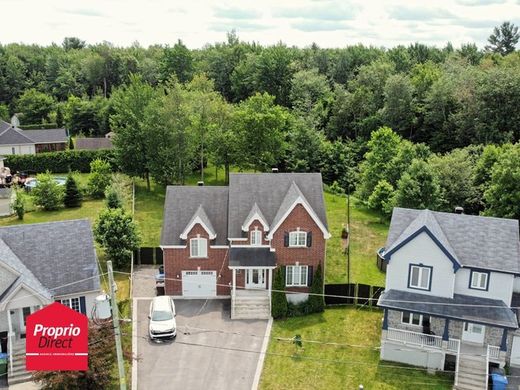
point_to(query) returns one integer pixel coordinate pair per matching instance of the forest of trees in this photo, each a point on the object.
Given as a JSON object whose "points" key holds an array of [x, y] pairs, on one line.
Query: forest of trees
{"points": [[302, 109]]}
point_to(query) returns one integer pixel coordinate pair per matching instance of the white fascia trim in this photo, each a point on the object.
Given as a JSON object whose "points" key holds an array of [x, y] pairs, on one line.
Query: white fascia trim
{"points": [[10, 269], [219, 246], [184, 234], [247, 224], [42, 299], [173, 246], [252, 267], [237, 239], [299, 200]]}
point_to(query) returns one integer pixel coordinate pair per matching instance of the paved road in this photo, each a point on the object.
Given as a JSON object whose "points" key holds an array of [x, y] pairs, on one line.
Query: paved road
{"points": [[210, 351]]}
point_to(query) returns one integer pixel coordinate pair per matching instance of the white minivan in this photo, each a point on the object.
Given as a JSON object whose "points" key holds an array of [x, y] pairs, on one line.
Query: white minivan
{"points": [[162, 318]]}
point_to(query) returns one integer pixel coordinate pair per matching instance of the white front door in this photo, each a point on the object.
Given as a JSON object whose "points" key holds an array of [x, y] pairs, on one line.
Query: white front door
{"points": [[255, 278], [474, 333]]}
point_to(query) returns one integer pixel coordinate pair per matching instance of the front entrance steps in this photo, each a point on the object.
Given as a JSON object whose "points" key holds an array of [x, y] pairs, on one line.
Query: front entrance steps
{"points": [[472, 372], [250, 305], [19, 374]]}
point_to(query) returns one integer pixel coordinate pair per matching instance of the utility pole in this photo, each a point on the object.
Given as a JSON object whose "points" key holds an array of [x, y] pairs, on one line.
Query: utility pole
{"points": [[349, 233], [117, 329]]}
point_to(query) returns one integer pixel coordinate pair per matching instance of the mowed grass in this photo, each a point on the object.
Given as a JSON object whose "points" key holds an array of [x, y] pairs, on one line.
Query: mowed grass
{"points": [[346, 366], [367, 234]]}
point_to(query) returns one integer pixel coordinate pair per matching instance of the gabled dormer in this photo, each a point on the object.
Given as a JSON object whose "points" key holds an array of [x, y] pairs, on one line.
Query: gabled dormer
{"points": [[200, 217], [292, 199]]}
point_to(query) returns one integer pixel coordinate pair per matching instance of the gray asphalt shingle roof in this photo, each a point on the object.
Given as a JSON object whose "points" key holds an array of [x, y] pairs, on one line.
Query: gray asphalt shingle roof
{"points": [[227, 208], [182, 202], [203, 217], [269, 191], [475, 241], [56, 253], [93, 143], [461, 307], [248, 257], [14, 136], [43, 136]]}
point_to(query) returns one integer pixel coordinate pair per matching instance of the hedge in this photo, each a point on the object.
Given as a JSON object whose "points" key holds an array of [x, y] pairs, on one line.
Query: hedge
{"points": [[59, 162], [39, 126]]}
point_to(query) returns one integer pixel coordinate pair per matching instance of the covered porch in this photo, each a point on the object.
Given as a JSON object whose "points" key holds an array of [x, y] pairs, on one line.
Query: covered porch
{"points": [[251, 283]]}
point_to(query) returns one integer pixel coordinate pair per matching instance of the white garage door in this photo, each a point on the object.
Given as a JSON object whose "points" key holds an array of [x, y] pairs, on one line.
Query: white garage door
{"points": [[198, 284], [515, 352]]}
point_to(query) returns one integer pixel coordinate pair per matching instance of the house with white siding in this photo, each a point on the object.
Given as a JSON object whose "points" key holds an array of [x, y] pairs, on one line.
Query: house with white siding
{"points": [[40, 264], [451, 280]]}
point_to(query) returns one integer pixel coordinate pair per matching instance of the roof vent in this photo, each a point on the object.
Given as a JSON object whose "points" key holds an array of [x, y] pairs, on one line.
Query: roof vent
{"points": [[459, 210], [200, 183], [274, 170]]}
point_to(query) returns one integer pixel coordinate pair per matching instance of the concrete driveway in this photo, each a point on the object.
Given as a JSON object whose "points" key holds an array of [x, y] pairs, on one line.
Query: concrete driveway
{"points": [[210, 351]]}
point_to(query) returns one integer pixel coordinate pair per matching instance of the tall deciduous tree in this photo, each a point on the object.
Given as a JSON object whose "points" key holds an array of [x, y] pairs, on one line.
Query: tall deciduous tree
{"points": [[133, 133], [177, 61], [261, 127], [398, 111], [418, 188], [35, 106], [118, 234], [504, 38]]}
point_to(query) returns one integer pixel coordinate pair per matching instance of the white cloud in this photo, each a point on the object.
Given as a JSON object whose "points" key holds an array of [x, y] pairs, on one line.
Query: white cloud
{"points": [[329, 23]]}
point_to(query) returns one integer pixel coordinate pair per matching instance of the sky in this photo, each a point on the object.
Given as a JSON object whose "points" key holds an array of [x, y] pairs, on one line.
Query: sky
{"points": [[329, 23]]}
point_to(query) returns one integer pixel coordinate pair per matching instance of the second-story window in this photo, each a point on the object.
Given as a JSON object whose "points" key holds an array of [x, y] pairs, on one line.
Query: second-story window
{"points": [[297, 239], [479, 280], [198, 247], [420, 277], [256, 237]]}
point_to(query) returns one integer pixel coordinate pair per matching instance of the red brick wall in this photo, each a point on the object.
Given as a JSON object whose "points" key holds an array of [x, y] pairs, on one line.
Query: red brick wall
{"points": [[313, 256], [178, 260]]}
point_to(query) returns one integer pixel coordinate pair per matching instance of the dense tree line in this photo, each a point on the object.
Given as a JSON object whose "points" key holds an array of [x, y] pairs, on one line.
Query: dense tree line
{"points": [[446, 98]]}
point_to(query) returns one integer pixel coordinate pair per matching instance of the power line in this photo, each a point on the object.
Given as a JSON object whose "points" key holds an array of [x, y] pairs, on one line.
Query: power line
{"points": [[335, 296]]}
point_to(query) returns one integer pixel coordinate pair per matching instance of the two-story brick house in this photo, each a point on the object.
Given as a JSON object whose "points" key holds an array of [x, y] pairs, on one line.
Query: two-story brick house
{"points": [[226, 241], [450, 282]]}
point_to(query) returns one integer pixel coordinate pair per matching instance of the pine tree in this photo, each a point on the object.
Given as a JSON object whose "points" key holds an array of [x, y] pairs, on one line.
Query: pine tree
{"points": [[72, 194], [316, 302], [279, 300], [112, 199], [59, 117]]}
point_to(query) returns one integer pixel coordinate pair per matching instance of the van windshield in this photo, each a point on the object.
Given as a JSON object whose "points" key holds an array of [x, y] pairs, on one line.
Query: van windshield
{"points": [[161, 316]]}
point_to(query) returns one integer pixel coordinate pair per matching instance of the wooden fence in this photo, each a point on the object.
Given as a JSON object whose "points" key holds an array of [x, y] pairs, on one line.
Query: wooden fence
{"points": [[352, 294], [148, 256]]}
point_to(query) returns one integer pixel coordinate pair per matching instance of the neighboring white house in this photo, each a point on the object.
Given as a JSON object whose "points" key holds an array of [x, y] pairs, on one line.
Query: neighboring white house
{"points": [[450, 283], [14, 140], [40, 264]]}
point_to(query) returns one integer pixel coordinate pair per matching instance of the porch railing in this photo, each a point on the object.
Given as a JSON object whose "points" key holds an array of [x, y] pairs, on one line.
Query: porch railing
{"points": [[453, 345], [414, 338], [493, 352]]}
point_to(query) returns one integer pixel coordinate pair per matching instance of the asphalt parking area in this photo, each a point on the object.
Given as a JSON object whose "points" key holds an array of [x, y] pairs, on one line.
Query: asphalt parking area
{"points": [[210, 352]]}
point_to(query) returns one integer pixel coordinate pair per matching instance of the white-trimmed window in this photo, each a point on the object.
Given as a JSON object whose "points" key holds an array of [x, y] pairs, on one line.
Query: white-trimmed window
{"points": [[419, 277], [198, 247], [414, 318], [73, 303], [256, 237], [296, 275], [479, 280], [297, 238]]}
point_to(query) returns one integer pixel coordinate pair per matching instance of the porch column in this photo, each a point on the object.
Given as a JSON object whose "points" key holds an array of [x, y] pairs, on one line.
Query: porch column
{"points": [[234, 281], [446, 334], [503, 344], [385, 320], [269, 286], [10, 340]]}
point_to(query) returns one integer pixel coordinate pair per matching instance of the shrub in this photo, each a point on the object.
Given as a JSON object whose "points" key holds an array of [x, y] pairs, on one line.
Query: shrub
{"points": [[72, 196], [99, 178], [18, 204], [381, 199], [336, 189], [47, 194], [117, 233], [113, 201], [279, 300], [316, 302], [59, 162]]}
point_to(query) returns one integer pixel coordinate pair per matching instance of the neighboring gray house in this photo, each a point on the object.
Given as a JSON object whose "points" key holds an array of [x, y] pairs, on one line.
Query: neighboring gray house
{"points": [[14, 140], [450, 282], [40, 264]]}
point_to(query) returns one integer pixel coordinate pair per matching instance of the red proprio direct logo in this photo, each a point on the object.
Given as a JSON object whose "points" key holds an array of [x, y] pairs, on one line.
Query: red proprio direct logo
{"points": [[57, 339]]}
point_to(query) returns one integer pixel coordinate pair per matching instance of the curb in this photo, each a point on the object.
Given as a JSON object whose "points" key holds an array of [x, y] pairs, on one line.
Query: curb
{"points": [[261, 358]]}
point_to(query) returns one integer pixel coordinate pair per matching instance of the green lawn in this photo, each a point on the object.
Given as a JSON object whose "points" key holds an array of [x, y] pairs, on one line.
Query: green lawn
{"points": [[367, 234], [319, 366]]}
